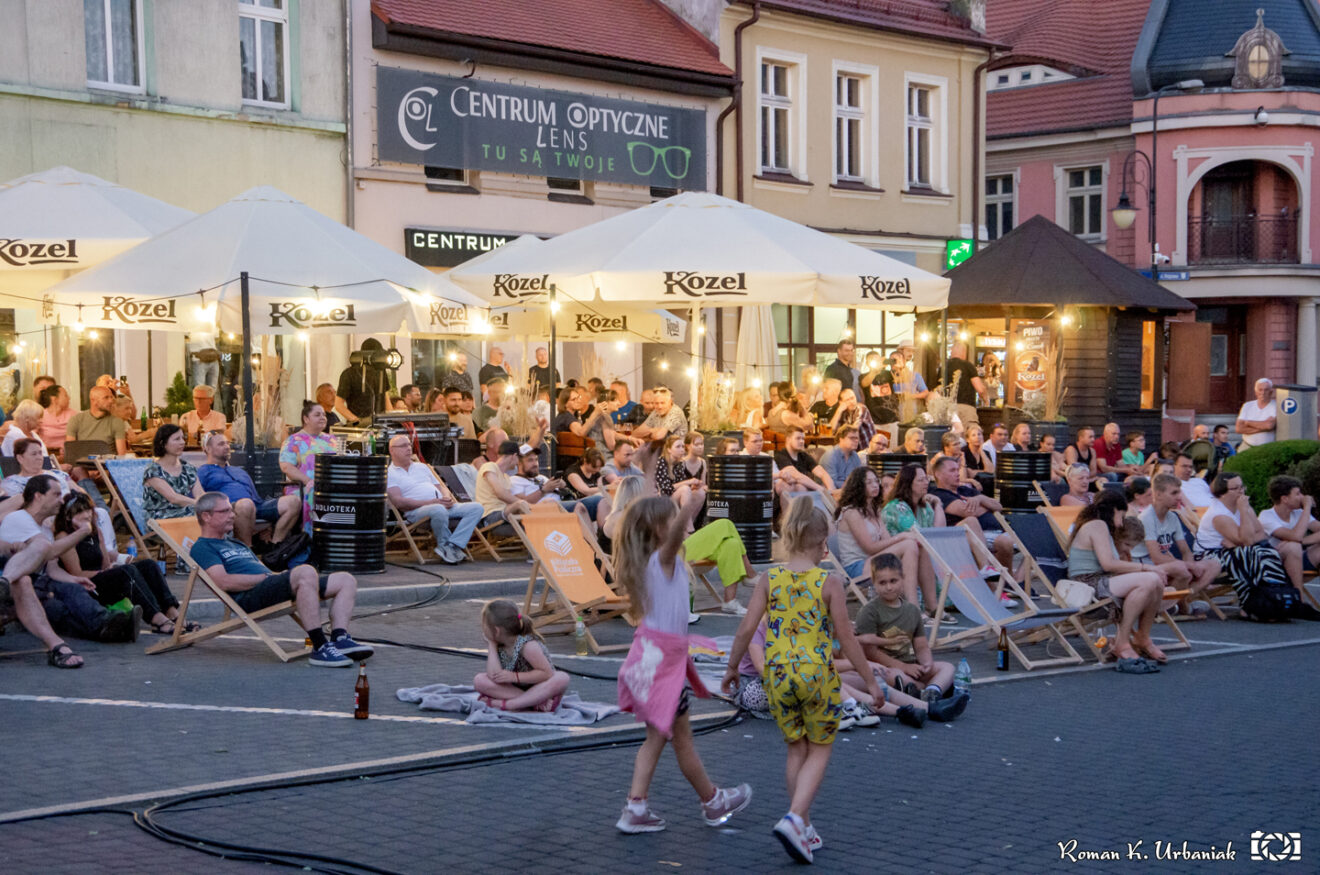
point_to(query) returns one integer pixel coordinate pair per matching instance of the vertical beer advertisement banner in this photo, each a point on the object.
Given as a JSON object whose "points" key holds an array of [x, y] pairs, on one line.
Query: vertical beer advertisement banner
{"points": [[440, 121], [1029, 343]]}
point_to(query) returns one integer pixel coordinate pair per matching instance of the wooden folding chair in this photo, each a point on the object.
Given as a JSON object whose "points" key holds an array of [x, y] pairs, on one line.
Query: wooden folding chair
{"points": [[123, 480], [1062, 520], [564, 559], [958, 558], [854, 584], [174, 534], [487, 538], [398, 529]]}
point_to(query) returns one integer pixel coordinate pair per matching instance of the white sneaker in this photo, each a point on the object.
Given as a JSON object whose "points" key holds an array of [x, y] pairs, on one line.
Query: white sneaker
{"points": [[726, 802], [632, 824], [791, 833], [734, 607], [814, 841], [1008, 601], [692, 618]]}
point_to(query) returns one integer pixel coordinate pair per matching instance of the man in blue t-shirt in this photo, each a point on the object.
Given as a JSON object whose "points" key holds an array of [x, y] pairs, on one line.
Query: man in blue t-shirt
{"points": [[625, 406], [217, 475], [237, 570]]}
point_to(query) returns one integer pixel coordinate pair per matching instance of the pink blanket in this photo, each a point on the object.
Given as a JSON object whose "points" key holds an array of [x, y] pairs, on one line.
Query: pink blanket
{"points": [[652, 677]]}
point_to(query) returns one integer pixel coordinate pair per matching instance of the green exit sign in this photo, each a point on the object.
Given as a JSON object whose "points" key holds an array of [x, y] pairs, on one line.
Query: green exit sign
{"points": [[956, 252]]}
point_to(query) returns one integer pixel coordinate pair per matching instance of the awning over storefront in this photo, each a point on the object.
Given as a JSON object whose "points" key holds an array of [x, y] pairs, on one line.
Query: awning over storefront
{"points": [[1039, 263]]}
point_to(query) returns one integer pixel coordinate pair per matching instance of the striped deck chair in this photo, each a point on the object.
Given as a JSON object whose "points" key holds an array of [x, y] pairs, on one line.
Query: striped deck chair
{"points": [[854, 585], [123, 480], [958, 560]]}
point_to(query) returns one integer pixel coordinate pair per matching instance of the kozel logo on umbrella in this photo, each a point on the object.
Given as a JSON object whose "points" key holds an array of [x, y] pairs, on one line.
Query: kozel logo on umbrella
{"points": [[515, 286], [26, 253], [595, 323], [885, 290], [448, 315], [121, 308], [704, 285], [299, 314]]}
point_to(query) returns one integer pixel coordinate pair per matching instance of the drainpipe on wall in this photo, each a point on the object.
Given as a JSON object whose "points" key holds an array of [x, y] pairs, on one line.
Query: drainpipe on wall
{"points": [[976, 150], [348, 114], [736, 106]]}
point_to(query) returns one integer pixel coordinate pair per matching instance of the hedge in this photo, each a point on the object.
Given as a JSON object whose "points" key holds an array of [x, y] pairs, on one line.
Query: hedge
{"points": [[1257, 465]]}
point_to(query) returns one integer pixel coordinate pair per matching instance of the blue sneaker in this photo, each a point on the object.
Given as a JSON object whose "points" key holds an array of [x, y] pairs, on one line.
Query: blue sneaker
{"points": [[329, 656], [353, 649]]}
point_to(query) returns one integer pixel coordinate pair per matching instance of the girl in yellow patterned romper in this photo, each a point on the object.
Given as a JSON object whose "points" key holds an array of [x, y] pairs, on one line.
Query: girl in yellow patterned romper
{"points": [[806, 610]]}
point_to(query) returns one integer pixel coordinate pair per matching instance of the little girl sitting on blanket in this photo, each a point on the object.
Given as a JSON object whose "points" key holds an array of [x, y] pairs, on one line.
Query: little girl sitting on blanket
{"points": [[519, 675]]}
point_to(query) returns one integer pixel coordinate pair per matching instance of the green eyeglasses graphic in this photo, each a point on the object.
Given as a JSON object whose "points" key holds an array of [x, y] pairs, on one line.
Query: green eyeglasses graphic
{"points": [[674, 159]]}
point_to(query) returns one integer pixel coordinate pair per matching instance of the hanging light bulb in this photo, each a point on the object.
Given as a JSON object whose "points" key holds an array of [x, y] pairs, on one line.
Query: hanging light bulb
{"points": [[302, 335], [691, 372], [621, 345], [79, 327], [756, 382], [453, 356], [701, 329], [1065, 320], [847, 332], [18, 345], [554, 306], [1019, 346], [925, 337], [816, 379], [94, 334], [963, 335], [230, 335], [664, 365]]}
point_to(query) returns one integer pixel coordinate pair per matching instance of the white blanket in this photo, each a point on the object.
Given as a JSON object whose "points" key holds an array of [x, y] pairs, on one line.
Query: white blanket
{"points": [[572, 710]]}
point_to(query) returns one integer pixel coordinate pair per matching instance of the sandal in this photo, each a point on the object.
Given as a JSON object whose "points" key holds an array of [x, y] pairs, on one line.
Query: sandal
{"points": [[165, 628], [62, 656], [1146, 651], [1129, 665]]}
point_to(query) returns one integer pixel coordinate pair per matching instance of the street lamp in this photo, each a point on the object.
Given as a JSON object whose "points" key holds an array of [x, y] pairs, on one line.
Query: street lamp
{"points": [[1125, 213]]}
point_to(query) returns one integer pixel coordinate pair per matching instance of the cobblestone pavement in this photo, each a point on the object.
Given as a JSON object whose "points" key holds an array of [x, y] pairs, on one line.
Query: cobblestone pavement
{"points": [[1208, 751]]}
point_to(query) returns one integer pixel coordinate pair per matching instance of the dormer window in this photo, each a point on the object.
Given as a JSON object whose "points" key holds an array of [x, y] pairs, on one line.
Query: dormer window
{"points": [[1259, 57]]}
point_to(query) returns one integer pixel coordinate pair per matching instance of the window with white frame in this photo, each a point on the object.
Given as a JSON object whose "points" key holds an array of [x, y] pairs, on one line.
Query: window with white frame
{"points": [[776, 100], [848, 116], [113, 31], [263, 43], [1085, 200], [920, 136], [999, 202]]}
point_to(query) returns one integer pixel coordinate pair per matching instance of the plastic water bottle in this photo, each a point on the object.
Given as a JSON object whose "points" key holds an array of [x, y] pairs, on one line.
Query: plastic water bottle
{"points": [[580, 637], [131, 551], [962, 679]]}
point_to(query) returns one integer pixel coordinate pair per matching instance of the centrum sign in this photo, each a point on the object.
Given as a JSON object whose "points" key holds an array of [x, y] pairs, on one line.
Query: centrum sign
{"points": [[440, 121]]}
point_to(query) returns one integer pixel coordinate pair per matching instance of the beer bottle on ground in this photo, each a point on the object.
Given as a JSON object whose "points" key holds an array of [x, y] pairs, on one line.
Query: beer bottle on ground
{"points": [[1002, 654], [361, 693]]}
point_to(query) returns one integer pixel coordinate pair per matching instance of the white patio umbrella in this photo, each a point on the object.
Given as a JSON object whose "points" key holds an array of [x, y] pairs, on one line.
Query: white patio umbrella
{"points": [[757, 355], [60, 221], [272, 264], [698, 248], [304, 272]]}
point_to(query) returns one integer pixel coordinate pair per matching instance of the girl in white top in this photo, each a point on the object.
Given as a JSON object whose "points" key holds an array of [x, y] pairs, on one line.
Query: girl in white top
{"points": [[647, 561]]}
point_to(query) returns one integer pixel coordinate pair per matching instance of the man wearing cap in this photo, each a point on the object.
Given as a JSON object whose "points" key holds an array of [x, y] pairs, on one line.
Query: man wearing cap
{"points": [[417, 492], [495, 489]]}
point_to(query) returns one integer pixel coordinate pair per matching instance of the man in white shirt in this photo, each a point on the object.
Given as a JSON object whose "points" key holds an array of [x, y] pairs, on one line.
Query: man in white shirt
{"points": [[1256, 419], [1293, 529], [1164, 531], [203, 418], [67, 600], [417, 492], [1195, 491]]}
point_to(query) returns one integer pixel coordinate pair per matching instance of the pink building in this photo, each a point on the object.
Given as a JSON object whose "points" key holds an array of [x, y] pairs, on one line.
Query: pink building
{"points": [[1069, 132]]}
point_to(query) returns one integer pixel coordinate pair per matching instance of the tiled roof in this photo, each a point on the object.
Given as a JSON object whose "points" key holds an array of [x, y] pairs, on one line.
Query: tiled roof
{"points": [[642, 31], [1093, 39], [928, 18], [1195, 36]]}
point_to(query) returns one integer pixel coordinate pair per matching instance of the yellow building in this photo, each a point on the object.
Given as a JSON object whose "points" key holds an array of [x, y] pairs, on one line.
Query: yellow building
{"points": [[856, 119], [190, 102]]}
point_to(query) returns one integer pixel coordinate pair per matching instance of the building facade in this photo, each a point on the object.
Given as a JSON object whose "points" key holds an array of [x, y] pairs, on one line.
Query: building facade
{"points": [[1201, 114], [857, 119], [473, 124], [192, 103]]}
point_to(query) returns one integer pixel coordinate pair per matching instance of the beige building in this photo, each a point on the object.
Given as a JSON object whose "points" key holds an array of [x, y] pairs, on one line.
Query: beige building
{"points": [[857, 120], [190, 102]]}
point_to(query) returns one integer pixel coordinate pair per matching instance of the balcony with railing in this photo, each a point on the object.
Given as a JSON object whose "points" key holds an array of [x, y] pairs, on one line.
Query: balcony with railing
{"points": [[1247, 239]]}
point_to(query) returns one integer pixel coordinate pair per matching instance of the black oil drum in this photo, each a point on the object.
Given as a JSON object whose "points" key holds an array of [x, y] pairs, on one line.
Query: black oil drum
{"points": [[742, 491], [892, 463], [1014, 473], [348, 514]]}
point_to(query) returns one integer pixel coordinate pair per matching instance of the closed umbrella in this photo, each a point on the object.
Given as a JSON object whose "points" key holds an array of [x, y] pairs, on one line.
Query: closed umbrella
{"points": [[758, 350]]}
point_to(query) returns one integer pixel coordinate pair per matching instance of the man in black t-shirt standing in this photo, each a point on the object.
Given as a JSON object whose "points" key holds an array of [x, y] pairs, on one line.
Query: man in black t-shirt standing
{"points": [[842, 368], [494, 369], [964, 506], [539, 374], [970, 385]]}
